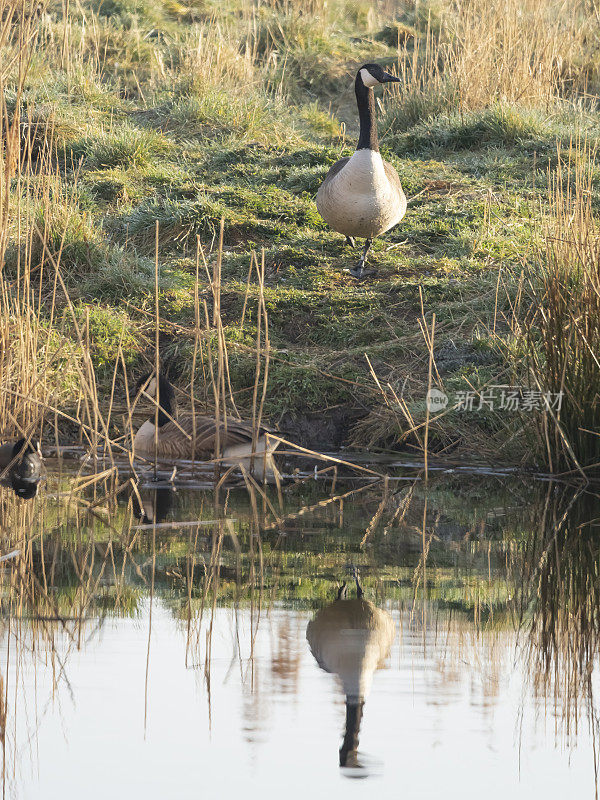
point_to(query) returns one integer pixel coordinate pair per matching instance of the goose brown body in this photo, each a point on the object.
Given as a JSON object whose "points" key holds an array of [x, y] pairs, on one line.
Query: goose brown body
{"points": [[176, 439], [351, 638], [200, 437], [362, 196]]}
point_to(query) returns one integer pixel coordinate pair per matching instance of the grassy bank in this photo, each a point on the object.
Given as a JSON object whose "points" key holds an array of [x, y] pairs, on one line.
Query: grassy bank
{"points": [[132, 129]]}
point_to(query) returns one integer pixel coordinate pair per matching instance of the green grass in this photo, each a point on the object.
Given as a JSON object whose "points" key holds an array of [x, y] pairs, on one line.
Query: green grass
{"points": [[161, 127]]}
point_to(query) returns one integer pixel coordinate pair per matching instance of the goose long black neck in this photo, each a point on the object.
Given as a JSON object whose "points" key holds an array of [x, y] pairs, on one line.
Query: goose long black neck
{"points": [[165, 410], [167, 407], [365, 100]]}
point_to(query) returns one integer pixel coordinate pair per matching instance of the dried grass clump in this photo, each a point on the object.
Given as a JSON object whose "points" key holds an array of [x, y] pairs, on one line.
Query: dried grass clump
{"points": [[478, 54], [564, 338], [41, 361]]}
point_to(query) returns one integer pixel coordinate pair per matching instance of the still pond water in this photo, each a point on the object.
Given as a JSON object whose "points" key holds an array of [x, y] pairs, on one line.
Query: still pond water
{"points": [[167, 655]]}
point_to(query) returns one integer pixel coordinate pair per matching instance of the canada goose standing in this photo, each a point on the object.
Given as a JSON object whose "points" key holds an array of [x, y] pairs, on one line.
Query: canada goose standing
{"points": [[351, 638], [361, 196], [21, 467], [175, 435]]}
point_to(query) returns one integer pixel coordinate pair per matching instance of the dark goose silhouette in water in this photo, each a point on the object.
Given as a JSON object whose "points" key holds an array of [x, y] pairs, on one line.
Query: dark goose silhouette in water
{"points": [[21, 467], [156, 504], [351, 638]]}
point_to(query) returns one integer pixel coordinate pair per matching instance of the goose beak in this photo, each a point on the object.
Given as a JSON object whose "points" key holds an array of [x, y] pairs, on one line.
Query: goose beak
{"points": [[389, 78]]}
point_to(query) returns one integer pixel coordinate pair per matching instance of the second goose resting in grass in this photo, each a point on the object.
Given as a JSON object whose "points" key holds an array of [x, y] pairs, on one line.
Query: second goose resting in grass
{"points": [[175, 439], [362, 196]]}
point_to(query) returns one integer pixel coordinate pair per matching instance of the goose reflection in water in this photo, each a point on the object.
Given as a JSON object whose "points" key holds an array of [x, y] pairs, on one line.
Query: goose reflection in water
{"points": [[351, 638], [156, 504]]}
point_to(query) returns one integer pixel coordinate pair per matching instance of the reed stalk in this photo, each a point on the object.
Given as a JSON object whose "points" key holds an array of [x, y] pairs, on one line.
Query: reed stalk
{"points": [[564, 335]]}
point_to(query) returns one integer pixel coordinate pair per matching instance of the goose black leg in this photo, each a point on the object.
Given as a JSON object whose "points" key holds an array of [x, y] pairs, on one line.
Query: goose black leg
{"points": [[350, 241], [359, 270], [342, 591]]}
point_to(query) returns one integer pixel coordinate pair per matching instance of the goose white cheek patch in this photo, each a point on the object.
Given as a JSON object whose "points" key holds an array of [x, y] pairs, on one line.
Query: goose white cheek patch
{"points": [[367, 78]]}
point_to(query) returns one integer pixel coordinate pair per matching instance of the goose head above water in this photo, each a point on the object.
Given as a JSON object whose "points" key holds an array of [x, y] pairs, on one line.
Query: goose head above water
{"points": [[351, 638], [165, 396], [159, 433], [21, 467], [372, 74], [361, 196]]}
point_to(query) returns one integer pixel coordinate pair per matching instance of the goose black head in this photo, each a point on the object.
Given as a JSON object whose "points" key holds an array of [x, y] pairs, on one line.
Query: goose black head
{"points": [[26, 472], [372, 74], [166, 395], [148, 384]]}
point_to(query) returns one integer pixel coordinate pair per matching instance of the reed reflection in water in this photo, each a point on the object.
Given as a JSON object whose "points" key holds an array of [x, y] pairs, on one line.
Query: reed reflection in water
{"points": [[486, 594]]}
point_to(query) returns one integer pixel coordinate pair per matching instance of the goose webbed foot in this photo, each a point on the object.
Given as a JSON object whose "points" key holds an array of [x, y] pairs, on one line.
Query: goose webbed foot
{"points": [[359, 270], [360, 273]]}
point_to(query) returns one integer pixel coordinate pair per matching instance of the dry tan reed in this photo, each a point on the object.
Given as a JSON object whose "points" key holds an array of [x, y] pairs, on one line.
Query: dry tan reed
{"points": [[565, 361], [478, 53]]}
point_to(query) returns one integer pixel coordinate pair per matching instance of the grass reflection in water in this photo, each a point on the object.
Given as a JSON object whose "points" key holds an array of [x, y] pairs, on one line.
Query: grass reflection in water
{"points": [[474, 574]]}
